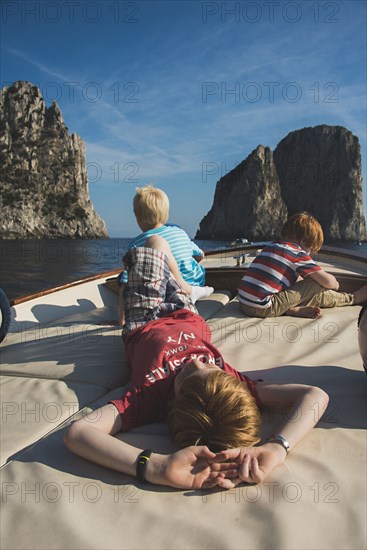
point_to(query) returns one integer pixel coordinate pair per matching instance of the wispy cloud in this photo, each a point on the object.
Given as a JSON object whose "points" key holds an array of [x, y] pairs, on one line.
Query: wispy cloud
{"points": [[40, 66]]}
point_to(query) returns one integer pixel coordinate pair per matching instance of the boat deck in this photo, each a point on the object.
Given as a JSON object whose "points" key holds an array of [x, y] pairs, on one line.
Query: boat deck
{"points": [[63, 361]]}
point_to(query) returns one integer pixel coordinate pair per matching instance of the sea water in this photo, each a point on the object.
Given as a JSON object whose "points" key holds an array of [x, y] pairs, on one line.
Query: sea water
{"points": [[32, 265]]}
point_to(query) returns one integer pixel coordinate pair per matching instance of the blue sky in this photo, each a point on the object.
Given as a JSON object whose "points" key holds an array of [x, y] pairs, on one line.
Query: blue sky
{"points": [[147, 85]]}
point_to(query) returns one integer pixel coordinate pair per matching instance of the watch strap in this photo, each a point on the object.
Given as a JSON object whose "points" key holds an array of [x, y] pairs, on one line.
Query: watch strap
{"points": [[277, 438], [141, 465]]}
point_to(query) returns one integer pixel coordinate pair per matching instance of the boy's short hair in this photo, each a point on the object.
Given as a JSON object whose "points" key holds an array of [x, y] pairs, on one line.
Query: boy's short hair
{"points": [[304, 227], [218, 411], [151, 205]]}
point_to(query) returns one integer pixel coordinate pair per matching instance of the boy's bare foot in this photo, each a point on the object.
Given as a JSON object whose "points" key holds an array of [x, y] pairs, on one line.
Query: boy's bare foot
{"points": [[309, 312], [360, 295]]}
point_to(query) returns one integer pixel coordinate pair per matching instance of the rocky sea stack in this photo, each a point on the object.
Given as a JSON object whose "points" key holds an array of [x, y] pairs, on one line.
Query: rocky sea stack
{"points": [[43, 182], [315, 169], [320, 170], [247, 201]]}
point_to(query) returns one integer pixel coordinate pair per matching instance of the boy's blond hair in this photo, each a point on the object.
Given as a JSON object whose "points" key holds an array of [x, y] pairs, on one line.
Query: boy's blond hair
{"points": [[151, 206], [218, 411], [304, 228]]}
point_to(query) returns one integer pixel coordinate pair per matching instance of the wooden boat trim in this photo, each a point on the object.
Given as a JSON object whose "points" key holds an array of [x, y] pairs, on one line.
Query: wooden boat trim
{"points": [[48, 291]]}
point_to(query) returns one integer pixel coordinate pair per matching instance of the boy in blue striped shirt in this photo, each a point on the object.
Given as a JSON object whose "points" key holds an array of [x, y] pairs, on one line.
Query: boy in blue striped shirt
{"points": [[151, 208]]}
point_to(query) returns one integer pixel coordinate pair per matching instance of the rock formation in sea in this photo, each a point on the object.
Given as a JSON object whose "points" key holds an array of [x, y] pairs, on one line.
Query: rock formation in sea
{"points": [[43, 182], [314, 169], [320, 171], [247, 202]]}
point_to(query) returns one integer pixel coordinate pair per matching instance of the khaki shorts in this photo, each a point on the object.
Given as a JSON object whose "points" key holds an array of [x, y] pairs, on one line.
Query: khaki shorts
{"points": [[304, 293]]}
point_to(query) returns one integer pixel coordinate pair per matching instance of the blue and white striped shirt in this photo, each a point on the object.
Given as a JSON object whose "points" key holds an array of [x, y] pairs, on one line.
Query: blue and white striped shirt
{"points": [[183, 249]]}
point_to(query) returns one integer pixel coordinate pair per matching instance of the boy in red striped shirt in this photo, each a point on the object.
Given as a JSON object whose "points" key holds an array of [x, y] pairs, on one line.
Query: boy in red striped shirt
{"points": [[284, 279]]}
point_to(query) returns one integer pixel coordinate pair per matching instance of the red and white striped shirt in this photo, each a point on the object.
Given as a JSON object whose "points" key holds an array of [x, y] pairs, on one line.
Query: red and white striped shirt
{"points": [[275, 269]]}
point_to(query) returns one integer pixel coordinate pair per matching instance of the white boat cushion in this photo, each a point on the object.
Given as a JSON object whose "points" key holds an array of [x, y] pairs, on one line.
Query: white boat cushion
{"points": [[32, 407], [317, 499]]}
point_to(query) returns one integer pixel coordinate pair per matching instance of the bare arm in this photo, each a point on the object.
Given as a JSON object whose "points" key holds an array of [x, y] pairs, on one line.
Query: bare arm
{"points": [[304, 406], [327, 280], [92, 438], [197, 253]]}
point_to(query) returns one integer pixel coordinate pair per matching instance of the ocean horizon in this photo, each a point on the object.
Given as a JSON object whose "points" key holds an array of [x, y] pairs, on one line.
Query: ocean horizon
{"points": [[34, 265]]}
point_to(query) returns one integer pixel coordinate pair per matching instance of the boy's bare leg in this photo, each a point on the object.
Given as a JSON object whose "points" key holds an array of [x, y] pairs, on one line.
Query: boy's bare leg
{"points": [[159, 243], [308, 312], [121, 306], [360, 296]]}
